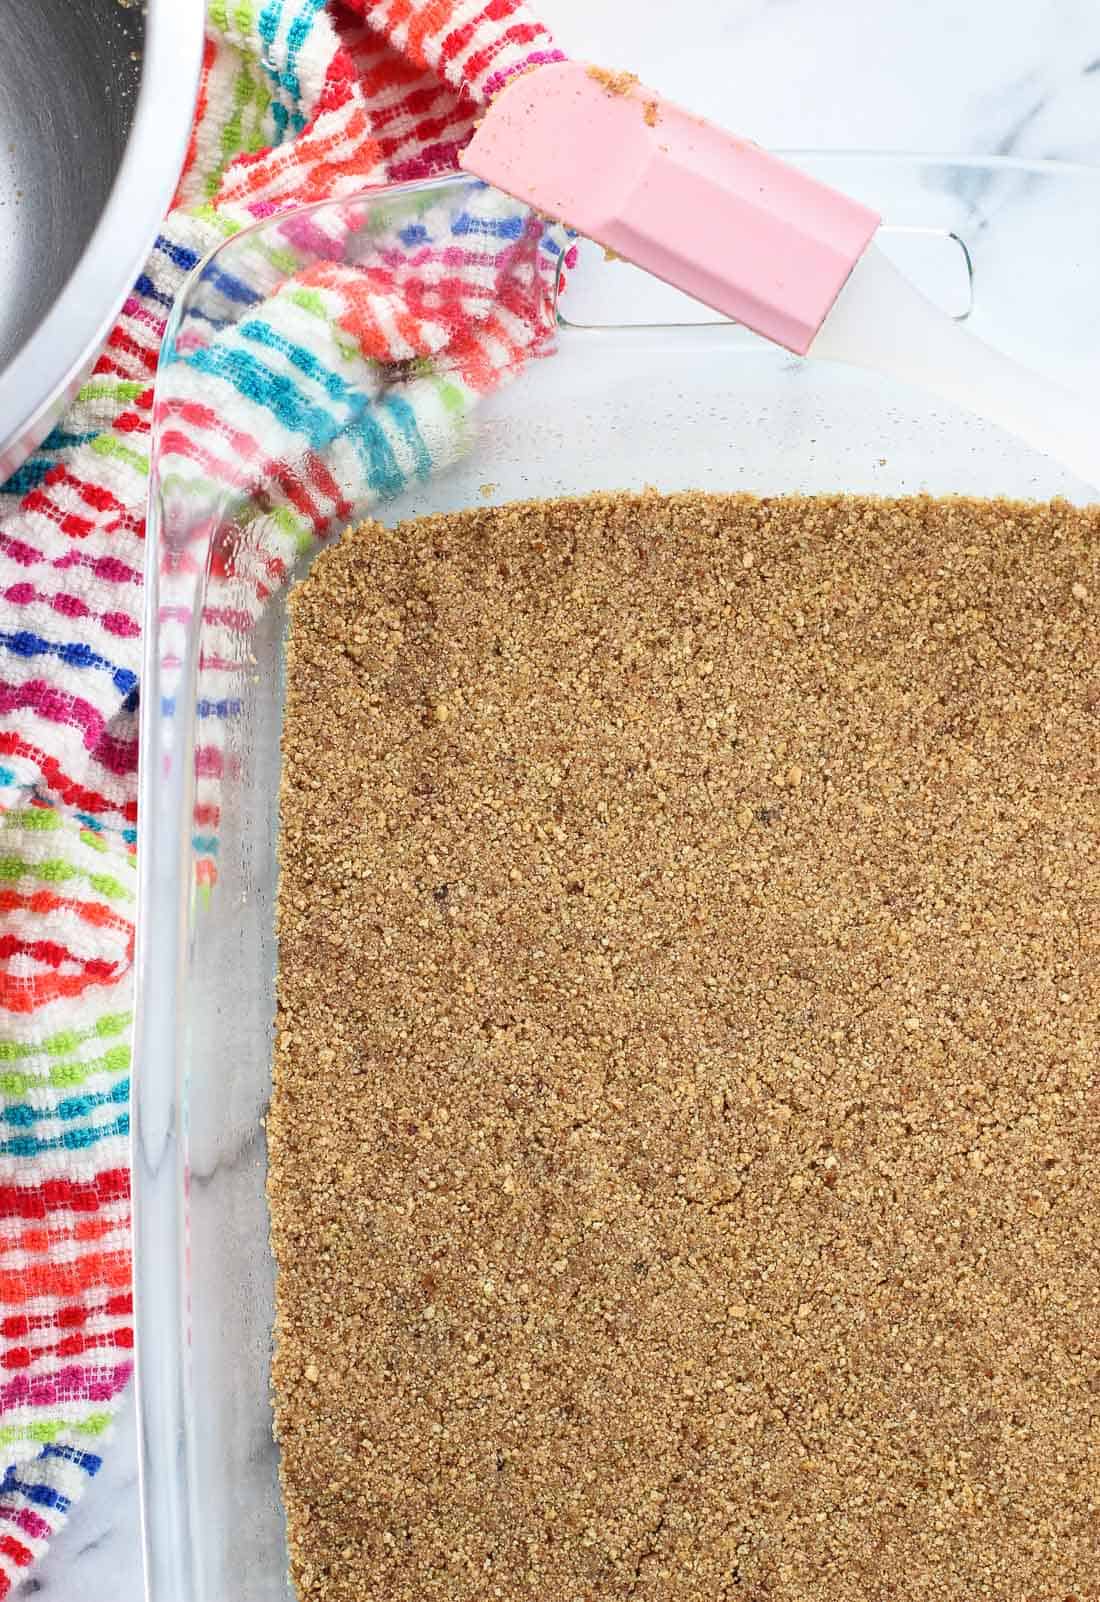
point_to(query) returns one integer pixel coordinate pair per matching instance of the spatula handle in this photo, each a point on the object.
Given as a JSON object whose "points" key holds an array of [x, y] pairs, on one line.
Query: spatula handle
{"points": [[882, 322]]}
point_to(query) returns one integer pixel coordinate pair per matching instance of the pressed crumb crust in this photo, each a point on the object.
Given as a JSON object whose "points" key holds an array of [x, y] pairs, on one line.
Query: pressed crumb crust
{"points": [[683, 1151]]}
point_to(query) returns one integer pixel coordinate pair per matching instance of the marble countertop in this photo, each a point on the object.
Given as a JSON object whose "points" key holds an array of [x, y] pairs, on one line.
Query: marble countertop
{"points": [[939, 76]]}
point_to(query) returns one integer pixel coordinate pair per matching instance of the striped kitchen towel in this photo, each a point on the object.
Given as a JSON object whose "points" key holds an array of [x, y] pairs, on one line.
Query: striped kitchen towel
{"points": [[363, 381]]}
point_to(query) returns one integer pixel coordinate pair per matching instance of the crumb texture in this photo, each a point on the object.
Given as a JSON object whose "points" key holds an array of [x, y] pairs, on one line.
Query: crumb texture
{"points": [[614, 82], [683, 1149]]}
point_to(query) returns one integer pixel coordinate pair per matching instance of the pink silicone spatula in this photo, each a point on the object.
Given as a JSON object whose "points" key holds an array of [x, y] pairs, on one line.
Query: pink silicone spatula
{"points": [[754, 238]]}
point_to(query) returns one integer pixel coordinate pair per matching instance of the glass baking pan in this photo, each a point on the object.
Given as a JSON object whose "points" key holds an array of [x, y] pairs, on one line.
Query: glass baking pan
{"points": [[665, 396]]}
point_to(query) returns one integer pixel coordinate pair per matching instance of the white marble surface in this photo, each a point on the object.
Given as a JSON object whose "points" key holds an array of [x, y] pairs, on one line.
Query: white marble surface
{"points": [[929, 75]]}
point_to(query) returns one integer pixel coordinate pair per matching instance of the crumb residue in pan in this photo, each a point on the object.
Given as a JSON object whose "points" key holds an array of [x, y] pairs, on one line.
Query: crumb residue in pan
{"points": [[684, 1142]]}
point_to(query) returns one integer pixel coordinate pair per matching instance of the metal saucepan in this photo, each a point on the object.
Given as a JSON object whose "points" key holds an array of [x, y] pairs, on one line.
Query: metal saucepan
{"points": [[96, 99]]}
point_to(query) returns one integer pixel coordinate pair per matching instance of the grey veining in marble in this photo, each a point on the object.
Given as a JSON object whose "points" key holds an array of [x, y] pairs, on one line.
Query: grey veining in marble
{"points": [[980, 77], [96, 1557]]}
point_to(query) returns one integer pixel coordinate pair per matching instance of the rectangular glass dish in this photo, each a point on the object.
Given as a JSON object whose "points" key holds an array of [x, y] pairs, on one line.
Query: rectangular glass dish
{"points": [[678, 401]]}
